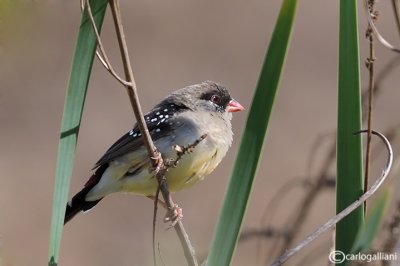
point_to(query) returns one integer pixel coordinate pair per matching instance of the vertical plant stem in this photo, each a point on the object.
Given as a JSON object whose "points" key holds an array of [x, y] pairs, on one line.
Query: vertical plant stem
{"points": [[132, 90], [371, 86], [153, 153]]}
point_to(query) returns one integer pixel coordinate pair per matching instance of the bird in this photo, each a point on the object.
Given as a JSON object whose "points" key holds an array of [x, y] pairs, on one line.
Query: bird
{"points": [[182, 118]]}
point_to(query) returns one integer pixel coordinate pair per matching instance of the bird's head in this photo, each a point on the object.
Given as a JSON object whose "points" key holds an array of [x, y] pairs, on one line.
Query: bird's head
{"points": [[207, 96]]}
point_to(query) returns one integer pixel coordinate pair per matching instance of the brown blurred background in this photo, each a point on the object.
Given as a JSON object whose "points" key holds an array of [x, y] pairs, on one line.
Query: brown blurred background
{"points": [[172, 44]]}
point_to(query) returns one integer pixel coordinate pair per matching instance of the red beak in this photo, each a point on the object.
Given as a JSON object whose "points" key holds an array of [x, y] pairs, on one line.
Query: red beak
{"points": [[234, 106]]}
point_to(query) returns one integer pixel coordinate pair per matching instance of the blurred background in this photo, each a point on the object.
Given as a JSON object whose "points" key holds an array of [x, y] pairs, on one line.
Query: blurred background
{"points": [[172, 44]]}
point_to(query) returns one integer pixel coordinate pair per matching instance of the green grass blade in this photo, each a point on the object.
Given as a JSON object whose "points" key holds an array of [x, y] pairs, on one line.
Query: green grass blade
{"points": [[349, 150], [73, 107], [372, 223], [249, 153]]}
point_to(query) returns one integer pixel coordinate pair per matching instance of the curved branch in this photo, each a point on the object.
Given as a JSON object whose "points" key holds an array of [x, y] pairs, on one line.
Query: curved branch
{"points": [[346, 211], [396, 11], [378, 35], [103, 59]]}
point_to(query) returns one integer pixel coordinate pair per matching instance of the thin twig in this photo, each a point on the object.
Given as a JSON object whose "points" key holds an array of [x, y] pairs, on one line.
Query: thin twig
{"points": [[159, 253], [322, 177], [316, 253], [180, 151], [346, 211], [379, 37], [130, 84], [155, 156], [316, 185], [104, 60], [370, 63], [154, 225], [131, 88], [396, 10]]}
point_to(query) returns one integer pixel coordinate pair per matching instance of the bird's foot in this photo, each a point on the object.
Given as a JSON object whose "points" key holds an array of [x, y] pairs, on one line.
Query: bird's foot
{"points": [[174, 215], [158, 162]]}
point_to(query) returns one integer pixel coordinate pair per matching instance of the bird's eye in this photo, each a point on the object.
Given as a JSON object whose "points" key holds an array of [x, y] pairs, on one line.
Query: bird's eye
{"points": [[216, 99]]}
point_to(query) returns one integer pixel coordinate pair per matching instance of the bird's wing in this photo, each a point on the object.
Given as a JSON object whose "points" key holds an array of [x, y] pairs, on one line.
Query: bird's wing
{"points": [[160, 122]]}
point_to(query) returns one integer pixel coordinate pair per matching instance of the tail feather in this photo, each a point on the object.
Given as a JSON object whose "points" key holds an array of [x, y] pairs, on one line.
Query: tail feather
{"points": [[78, 203]]}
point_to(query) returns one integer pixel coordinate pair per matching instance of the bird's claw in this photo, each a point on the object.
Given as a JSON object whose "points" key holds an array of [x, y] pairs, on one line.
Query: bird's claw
{"points": [[159, 161], [174, 215]]}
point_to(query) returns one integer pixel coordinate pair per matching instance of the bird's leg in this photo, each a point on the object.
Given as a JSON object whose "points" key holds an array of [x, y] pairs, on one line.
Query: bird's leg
{"points": [[173, 215]]}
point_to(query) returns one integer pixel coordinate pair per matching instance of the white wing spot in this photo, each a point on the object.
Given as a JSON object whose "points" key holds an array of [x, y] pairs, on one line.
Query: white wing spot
{"points": [[161, 116], [157, 113], [162, 120], [154, 120], [158, 130], [131, 132], [165, 110], [166, 116], [134, 135]]}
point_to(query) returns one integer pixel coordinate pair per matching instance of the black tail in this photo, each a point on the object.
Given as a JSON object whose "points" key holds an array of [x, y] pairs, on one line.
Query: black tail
{"points": [[78, 203]]}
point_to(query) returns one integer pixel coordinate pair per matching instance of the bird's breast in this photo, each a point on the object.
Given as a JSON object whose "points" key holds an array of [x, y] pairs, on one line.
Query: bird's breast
{"points": [[205, 156]]}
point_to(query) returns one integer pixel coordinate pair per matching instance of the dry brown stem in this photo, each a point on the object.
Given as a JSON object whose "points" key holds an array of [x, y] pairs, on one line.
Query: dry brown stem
{"points": [[154, 155]]}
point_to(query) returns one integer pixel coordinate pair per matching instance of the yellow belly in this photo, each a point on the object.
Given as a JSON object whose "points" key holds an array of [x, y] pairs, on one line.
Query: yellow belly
{"points": [[191, 169]]}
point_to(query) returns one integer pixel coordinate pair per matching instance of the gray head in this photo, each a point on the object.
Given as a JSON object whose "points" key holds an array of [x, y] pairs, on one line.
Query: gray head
{"points": [[207, 96]]}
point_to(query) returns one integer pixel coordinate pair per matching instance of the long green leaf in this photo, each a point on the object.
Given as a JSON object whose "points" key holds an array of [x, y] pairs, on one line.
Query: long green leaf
{"points": [[372, 223], [231, 215], [349, 150], [73, 107]]}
